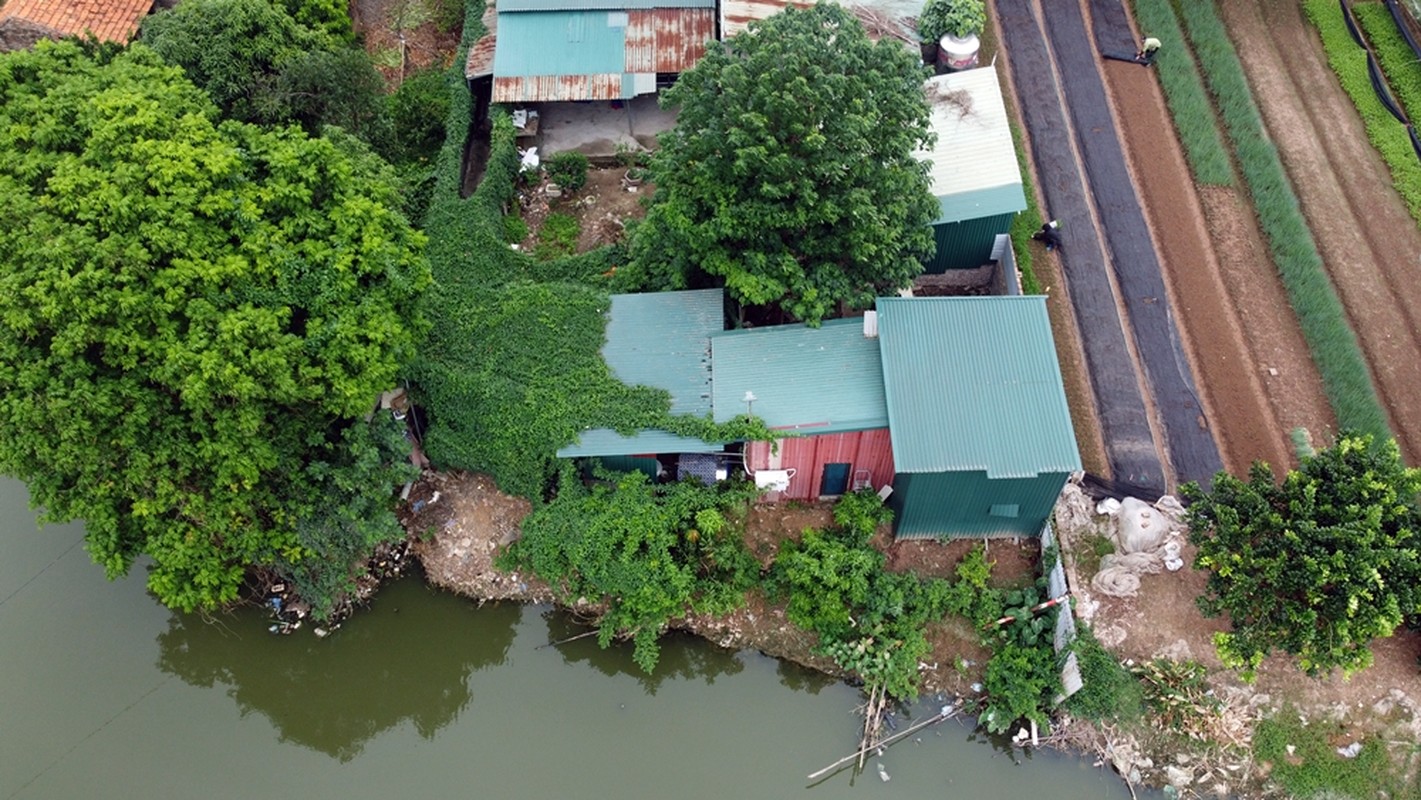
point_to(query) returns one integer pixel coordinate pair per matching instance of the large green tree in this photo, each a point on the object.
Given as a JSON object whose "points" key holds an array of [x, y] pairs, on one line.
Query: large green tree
{"points": [[260, 64], [790, 174], [1316, 566], [197, 316]]}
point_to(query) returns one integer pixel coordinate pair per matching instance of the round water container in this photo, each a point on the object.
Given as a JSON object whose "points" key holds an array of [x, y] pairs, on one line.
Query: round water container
{"points": [[955, 54]]}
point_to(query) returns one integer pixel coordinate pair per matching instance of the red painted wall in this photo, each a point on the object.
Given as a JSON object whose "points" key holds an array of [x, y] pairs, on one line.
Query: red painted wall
{"points": [[807, 455]]}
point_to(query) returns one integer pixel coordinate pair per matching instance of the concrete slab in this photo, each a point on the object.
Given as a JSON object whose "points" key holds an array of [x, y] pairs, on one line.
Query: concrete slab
{"points": [[595, 128]]}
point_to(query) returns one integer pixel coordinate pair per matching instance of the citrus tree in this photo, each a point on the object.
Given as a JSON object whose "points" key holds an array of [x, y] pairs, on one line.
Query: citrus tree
{"points": [[1316, 566]]}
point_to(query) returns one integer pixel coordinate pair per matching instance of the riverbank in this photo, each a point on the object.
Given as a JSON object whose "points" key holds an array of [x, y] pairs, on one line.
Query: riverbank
{"points": [[459, 522]]}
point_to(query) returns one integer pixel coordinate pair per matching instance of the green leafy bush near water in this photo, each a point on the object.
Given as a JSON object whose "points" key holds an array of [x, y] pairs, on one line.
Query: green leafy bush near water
{"points": [[646, 553], [1189, 104], [1398, 63], [1334, 347]]}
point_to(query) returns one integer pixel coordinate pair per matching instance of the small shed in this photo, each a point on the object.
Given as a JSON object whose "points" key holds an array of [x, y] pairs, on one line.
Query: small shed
{"points": [[660, 340], [823, 388], [566, 50], [24, 22], [972, 166], [982, 435]]}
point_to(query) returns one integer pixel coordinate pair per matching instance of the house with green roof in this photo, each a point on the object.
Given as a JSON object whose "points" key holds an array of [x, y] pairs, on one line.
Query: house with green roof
{"points": [[982, 435], [953, 407], [972, 167]]}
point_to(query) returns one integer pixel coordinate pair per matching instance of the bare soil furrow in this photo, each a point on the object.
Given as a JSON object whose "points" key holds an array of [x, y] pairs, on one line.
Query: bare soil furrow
{"points": [[1345, 212]]}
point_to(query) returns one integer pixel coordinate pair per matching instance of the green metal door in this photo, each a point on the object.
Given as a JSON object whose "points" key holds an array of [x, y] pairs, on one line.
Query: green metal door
{"points": [[835, 480]]}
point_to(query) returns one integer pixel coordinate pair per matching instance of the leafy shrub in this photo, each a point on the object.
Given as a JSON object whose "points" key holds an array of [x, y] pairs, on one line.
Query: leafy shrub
{"points": [[515, 229], [1020, 683], [630, 546], [567, 169], [417, 110], [1110, 693], [1334, 348], [961, 18], [557, 237], [448, 14]]}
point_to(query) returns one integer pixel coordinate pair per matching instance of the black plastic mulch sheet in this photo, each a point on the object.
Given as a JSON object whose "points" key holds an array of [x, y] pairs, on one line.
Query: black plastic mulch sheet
{"points": [[1189, 440], [1129, 444]]}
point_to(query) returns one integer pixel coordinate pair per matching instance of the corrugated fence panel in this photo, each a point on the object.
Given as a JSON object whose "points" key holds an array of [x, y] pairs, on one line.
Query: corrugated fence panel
{"points": [[966, 244], [556, 88], [968, 504], [641, 41]]}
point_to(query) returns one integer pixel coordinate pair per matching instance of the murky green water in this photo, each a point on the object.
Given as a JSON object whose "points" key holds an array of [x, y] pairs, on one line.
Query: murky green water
{"points": [[105, 694]]}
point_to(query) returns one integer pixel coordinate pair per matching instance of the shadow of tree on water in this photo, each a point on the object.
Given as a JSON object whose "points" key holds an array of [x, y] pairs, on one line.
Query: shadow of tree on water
{"points": [[399, 661], [683, 656]]}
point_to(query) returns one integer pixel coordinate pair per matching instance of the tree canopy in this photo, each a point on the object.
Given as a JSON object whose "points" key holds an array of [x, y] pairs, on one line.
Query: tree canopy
{"points": [[261, 64], [1317, 566], [790, 174], [197, 316]]}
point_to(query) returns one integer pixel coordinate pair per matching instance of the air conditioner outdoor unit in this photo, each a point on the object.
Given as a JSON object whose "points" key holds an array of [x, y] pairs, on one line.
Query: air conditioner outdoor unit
{"points": [[773, 480]]}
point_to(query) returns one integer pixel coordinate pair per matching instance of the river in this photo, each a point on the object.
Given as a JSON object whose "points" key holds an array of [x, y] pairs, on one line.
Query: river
{"points": [[104, 693]]}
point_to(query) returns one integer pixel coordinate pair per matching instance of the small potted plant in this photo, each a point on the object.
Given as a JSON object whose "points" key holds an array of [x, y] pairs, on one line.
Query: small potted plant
{"points": [[955, 25]]}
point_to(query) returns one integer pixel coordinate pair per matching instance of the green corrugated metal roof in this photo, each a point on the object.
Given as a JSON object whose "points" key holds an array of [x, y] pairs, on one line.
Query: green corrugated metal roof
{"points": [[598, 5], [818, 380], [972, 164], [558, 43], [977, 203], [605, 442], [973, 384], [660, 340]]}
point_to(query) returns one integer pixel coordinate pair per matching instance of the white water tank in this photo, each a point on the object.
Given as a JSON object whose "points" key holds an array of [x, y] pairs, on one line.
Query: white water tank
{"points": [[955, 54], [773, 480]]}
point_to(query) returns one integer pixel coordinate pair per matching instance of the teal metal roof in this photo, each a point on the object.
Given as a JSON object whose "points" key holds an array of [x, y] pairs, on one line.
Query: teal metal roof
{"points": [[978, 203], [660, 340], [973, 384], [558, 43], [815, 380]]}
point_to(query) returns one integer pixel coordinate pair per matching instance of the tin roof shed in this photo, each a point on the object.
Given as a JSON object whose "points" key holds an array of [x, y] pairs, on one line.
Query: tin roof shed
{"points": [[973, 165], [660, 340], [972, 383], [812, 380], [23, 22], [592, 50]]}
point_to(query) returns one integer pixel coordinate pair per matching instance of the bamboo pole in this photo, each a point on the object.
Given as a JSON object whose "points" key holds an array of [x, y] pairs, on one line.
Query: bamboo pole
{"points": [[947, 712]]}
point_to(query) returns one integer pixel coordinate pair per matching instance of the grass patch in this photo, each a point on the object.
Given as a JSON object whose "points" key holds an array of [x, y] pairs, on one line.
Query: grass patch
{"points": [[557, 237], [1110, 693], [1091, 549], [1314, 768], [1189, 103], [1402, 73], [1027, 222], [1334, 347]]}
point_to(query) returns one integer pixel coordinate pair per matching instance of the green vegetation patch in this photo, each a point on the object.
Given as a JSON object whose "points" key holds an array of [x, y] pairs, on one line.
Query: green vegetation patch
{"points": [[1345, 376], [1189, 104], [1305, 761], [1027, 222], [1110, 693], [1402, 72]]}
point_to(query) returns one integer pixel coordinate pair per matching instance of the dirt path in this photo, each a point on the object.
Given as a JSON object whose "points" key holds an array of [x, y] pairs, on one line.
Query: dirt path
{"points": [[1366, 238]]}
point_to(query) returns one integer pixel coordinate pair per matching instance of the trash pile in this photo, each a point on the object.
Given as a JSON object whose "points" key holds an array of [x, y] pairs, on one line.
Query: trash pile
{"points": [[289, 612], [1147, 539]]}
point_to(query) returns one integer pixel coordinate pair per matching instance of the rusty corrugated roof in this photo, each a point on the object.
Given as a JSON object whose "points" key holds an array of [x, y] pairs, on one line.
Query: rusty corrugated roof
{"points": [[480, 61], [556, 88], [735, 15], [107, 20], [667, 39]]}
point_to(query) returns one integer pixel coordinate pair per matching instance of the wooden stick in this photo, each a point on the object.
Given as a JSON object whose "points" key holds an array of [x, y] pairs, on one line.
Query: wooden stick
{"points": [[948, 712], [568, 639]]}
